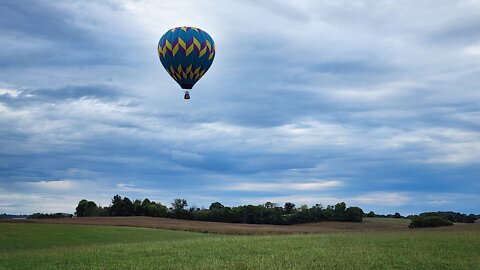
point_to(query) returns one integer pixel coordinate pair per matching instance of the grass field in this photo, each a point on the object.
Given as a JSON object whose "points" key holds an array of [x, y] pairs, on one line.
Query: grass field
{"points": [[59, 246]]}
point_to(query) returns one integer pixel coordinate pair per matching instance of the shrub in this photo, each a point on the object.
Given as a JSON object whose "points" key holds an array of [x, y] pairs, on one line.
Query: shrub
{"points": [[429, 221], [354, 214]]}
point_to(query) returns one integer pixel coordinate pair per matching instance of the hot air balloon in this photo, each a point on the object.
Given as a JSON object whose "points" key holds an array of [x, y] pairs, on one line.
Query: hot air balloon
{"points": [[186, 53]]}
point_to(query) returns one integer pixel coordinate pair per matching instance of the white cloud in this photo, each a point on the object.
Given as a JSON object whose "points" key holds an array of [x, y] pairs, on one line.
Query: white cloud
{"points": [[381, 198], [10, 92], [473, 50], [273, 187], [186, 156], [58, 185]]}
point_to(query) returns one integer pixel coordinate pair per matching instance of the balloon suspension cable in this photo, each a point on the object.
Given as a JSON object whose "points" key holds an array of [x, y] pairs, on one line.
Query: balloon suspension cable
{"points": [[187, 95]]}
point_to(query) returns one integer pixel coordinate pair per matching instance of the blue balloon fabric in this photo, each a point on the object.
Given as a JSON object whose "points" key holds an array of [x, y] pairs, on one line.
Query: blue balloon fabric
{"points": [[186, 53]]}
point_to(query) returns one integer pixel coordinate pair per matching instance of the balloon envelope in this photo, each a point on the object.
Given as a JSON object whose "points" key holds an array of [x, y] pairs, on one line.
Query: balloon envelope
{"points": [[186, 53]]}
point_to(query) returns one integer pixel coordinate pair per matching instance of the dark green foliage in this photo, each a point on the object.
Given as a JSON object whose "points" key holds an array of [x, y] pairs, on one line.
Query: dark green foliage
{"points": [[178, 209], [55, 215], [87, 209], [7, 216], [457, 217], [270, 205], [289, 208], [179, 204], [396, 215], [154, 209], [339, 211], [138, 209], [454, 217], [128, 207], [353, 214], [125, 207], [104, 211], [269, 213], [429, 220], [329, 213], [116, 209], [216, 205]]}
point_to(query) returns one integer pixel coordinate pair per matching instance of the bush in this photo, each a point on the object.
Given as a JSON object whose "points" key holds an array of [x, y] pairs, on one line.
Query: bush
{"points": [[354, 214], [429, 221]]}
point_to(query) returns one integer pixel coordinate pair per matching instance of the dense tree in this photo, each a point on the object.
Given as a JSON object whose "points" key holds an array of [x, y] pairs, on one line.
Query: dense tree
{"points": [[156, 210], [138, 208], [270, 205], [82, 206], [329, 213], [457, 217], [87, 209], [339, 211], [179, 204], [353, 214], [55, 215], [318, 212], [128, 209], [117, 207], [178, 209], [104, 211], [268, 213], [429, 221], [145, 202], [289, 208], [216, 205]]}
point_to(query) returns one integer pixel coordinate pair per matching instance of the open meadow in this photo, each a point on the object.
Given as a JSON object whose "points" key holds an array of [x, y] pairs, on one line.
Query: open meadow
{"points": [[71, 246]]}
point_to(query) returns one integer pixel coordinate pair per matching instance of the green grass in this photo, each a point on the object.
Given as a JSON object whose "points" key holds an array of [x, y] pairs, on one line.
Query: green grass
{"points": [[25, 237], [41, 246]]}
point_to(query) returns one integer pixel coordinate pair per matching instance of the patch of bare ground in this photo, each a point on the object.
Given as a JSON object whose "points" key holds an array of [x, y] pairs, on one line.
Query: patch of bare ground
{"points": [[369, 225], [227, 228]]}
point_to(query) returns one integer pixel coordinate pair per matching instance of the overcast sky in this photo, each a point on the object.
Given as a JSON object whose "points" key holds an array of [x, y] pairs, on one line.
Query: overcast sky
{"points": [[375, 103]]}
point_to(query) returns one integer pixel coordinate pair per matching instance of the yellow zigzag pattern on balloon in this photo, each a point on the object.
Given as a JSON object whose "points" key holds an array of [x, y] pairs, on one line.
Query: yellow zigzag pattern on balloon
{"points": [[189, 50], [184, 28], [179, 73]]}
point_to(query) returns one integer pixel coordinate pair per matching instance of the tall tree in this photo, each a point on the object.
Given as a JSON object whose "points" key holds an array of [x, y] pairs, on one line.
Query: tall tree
{"points": [[116, 209], [179, 204], [82, 206], [289, 207]]}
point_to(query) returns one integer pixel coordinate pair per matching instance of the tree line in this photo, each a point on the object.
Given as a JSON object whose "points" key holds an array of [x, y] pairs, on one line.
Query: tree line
{"points": [[268, 213], [54, 215], [455, 217], [9, 216]]}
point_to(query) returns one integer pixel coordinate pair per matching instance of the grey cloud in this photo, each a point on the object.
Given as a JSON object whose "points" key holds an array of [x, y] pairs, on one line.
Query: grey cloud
{"points": [[28, 97], [465, 30], [40, 33]]}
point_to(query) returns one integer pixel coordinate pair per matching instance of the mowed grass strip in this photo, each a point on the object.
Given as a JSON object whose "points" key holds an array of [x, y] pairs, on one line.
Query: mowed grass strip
{"points": [[28, 236], [157, 249]]}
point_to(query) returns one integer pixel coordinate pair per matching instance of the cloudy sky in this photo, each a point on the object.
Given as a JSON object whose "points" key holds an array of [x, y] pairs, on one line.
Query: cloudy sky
{"points": [[374, 103]]}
